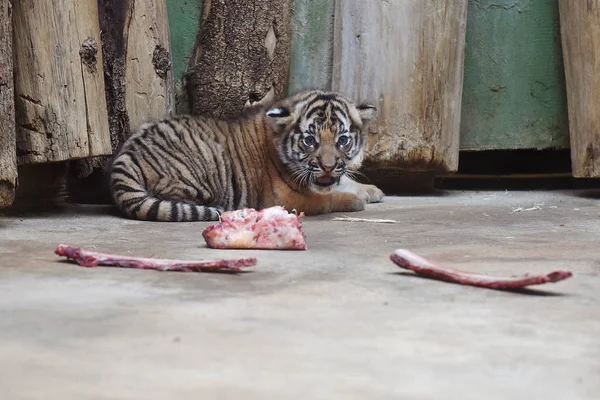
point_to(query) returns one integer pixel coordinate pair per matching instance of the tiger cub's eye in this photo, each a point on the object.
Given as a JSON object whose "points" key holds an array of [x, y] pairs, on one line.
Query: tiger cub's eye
{"points": [[343, 140], [309, 141]]}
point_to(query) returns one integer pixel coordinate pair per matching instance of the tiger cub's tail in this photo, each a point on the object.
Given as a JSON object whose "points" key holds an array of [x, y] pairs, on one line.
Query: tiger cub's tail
{"points": [[136, 202]]}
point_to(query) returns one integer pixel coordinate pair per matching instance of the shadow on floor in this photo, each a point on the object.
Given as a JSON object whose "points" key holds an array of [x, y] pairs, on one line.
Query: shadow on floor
{"points": [[54, 210], [523, 291]]}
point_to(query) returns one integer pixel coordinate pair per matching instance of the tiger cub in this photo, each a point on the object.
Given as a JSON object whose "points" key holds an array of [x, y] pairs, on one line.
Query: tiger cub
{"points": [[300, 153]]}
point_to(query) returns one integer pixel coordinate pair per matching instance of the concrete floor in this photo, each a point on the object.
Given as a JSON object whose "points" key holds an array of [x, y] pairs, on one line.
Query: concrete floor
{"points": [[338, 321]]}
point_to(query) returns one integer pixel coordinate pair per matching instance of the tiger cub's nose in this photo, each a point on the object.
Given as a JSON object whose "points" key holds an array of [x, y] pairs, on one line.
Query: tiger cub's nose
{"points": [[327, 165]]}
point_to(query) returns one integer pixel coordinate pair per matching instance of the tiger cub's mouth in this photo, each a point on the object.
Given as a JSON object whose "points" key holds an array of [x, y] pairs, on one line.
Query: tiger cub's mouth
{"points": [[326, 181]]}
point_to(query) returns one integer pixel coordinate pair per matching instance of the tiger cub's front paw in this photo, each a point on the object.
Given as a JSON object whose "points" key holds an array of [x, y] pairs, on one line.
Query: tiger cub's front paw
{"points": [[370, 194], [348, 202]]}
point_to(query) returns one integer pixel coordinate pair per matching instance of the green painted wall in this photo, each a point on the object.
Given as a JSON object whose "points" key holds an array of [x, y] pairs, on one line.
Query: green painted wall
{"points": [[514, 91], [184, 19], [312, 45]]}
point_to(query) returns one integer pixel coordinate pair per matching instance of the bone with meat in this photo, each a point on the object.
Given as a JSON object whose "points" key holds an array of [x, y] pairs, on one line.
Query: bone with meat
{"points": [[89, 258], [411, 261]]}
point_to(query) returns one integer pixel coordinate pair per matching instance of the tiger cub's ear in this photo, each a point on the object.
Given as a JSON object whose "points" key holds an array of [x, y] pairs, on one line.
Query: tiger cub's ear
{"points": [[279, 117], [367, 112]]}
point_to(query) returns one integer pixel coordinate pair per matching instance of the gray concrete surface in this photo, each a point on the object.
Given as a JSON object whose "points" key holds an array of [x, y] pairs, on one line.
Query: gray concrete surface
{"points": [[338, 321]]}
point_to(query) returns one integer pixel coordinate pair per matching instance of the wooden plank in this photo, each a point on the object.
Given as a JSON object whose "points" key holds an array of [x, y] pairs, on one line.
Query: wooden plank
{"points": [[59, 81], [241, 56], [136, 46], [8, 152], [138, 80], [406, 56], [580, 31], [148, 74], [514, 93], [311, 45]]}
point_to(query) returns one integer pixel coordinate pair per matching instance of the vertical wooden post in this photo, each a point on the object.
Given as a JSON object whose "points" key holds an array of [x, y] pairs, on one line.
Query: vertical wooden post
{"points": [[149, 77], [8, 154], [138, 81], [59, 81], [241, 56], [406, 57], [580, 32]]}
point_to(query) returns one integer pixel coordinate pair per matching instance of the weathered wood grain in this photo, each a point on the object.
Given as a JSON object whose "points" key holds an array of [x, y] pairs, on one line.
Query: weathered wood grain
{"points": [[8, 154], [580, 33], [148, 73], [406, 56], [59, 81], [241, 56], [138, 80]]}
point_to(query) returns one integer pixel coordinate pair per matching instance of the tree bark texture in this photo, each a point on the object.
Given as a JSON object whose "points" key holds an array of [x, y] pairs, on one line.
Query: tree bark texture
{"points": [[148, 74], [580, 32], [137, 63], [241, 56], [138, 78], [8, 154], [59, 87], [405, 56]]}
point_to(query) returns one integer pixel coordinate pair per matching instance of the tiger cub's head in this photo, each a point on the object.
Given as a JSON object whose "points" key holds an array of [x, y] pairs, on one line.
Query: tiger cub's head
{"points": [[320, 136]]}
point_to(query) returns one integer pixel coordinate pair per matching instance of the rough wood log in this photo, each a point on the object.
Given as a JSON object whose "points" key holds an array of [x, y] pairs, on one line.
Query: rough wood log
{"points": [[138, 78], [8, 154], [406, 57], [59, 86], [137, 63], [148, 74], [241, 56], [580, 30]]}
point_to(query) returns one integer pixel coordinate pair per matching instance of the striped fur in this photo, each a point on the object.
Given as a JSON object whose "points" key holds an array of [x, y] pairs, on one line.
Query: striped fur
{"points": [[189, 168]]}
